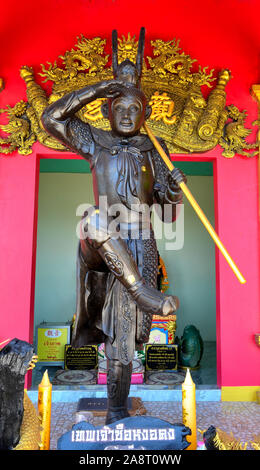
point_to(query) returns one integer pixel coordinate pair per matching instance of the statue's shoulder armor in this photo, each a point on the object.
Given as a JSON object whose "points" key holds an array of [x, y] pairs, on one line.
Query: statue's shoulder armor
{"points": [[80, 138], [102, 137], [80, 132]]}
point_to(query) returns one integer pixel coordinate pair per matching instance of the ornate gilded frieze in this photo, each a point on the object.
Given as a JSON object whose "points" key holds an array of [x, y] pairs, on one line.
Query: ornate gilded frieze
{"points": [[187, 120]]}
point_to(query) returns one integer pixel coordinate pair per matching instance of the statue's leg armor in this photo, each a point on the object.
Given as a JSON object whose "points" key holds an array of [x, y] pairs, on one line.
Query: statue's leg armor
{"points": [[121, 263], [118, 386], [114, 253], [113, 250]]}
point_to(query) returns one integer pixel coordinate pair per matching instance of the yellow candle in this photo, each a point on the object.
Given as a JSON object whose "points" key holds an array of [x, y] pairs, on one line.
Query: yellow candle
{"points": [[44, 408], [189, 409]]}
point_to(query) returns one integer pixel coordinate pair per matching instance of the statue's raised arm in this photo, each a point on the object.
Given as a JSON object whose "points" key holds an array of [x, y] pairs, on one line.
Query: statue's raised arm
{"points": [[59, 119]]}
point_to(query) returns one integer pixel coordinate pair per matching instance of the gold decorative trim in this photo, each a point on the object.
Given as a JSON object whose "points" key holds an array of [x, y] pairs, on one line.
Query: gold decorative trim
{"points": [[257, 339], [226, 441], [181, 115]]}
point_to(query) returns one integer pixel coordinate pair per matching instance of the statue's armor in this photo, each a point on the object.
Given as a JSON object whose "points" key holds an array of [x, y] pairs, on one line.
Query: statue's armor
{"points": [[127, 171]]}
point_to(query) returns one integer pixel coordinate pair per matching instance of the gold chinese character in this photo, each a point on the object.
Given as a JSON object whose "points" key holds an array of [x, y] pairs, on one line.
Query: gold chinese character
{"points": [[162, 108], [93, 110]]}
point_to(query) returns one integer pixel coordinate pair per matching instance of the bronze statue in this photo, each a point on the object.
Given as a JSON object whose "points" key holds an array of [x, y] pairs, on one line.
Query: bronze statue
{"points": [[117, 275]]}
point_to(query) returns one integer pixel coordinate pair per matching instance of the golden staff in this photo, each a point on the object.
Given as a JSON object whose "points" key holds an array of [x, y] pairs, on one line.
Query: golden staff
{"points": [[196, 207]]}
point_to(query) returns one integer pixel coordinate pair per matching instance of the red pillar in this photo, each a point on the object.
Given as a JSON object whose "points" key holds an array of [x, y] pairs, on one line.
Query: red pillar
{"points": [[238, 313], [19, 177]]}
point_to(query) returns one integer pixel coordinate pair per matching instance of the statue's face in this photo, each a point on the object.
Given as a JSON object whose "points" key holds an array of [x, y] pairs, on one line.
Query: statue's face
{"points": [[126, 115]]}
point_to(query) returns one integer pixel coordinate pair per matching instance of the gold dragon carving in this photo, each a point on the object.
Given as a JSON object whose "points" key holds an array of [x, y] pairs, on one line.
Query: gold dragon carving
{"points": [[181, 115]]}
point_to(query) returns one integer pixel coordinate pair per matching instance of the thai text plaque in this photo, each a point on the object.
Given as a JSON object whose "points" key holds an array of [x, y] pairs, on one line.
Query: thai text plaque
{"points": [[161, 357], [82, 358]]}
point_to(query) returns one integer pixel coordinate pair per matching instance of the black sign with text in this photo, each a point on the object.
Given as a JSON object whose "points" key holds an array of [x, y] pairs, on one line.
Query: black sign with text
{"points": [[84, 358], [138, 432], [161, 357]]}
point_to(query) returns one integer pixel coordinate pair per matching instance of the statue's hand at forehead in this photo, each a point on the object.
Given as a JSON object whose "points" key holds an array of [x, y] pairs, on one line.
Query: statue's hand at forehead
{"points": [[111, 88]]}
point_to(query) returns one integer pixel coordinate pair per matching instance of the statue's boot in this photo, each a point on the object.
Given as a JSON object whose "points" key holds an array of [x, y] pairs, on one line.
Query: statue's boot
{"points": [[121, 263], [118, 386]]}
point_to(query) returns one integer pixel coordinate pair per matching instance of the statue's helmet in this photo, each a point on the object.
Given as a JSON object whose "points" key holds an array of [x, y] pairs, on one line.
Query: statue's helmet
{"points": [[127, 71]]}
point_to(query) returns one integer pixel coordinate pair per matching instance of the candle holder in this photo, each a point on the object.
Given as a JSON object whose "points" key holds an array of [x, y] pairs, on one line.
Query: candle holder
{"points": [[257, 339]]}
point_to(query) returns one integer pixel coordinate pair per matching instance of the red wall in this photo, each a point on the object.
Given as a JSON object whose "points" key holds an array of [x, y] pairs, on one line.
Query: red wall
{"points": [[219, 34]]}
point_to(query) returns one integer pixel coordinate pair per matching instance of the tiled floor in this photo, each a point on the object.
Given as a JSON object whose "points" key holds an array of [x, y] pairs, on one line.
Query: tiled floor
{"points": [[240, 418]]}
